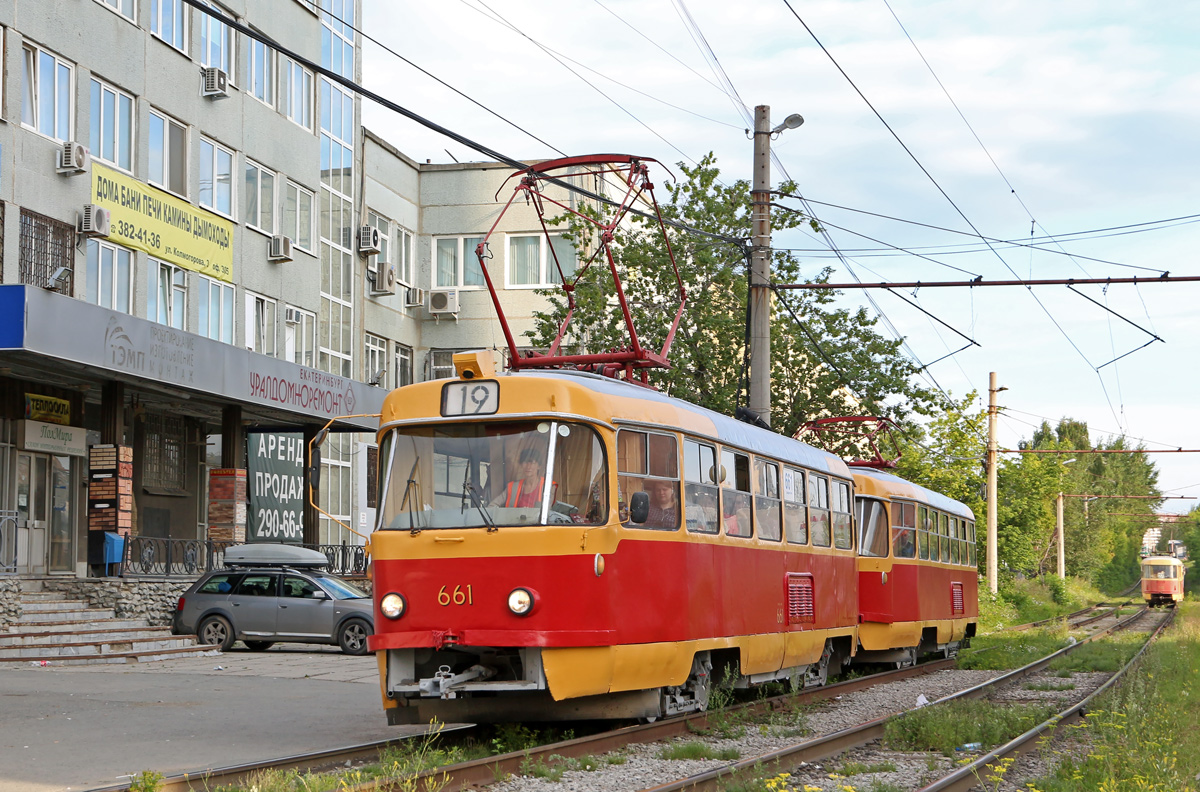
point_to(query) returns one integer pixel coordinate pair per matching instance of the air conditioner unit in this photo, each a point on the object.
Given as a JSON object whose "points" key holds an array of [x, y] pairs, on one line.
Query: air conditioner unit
{"points": [[383, 280], [369, 240], [73, 158], [280, 249], [95, 221], [414, 297], [443, 301], [292, 316], [216, 83]]}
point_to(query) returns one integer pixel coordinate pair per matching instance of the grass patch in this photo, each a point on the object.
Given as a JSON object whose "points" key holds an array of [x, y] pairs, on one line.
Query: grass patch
{"points": [[1004, 651], [537, 768], [1107, 655], [945, 727], [697, 750], [1145, 733], [858, 768]]}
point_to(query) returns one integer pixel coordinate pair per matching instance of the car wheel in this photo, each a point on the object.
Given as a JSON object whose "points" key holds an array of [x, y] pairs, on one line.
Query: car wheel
{"points": [[352, 636], [216, 631], [258, 646]]}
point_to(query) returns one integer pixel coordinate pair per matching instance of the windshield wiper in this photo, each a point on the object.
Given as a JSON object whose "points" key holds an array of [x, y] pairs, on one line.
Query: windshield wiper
{"points": [[412, 513], [476, 501]]}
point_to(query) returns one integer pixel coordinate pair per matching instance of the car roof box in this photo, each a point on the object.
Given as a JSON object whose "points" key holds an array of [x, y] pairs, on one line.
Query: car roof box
{"points": [[271, 554]]}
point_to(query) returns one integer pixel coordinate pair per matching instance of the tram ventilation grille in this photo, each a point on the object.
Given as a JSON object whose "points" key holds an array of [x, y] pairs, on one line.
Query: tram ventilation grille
{"points": [[800, 599], [956, 599]]}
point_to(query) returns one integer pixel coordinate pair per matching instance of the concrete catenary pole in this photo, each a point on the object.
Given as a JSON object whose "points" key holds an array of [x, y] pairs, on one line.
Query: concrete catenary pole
{"points": [[992, 449], [1062, 547], [760, 268]]}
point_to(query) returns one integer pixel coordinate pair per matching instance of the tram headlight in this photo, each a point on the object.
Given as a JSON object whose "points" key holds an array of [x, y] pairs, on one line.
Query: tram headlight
{"points": [[392, 605], [521, 601]]}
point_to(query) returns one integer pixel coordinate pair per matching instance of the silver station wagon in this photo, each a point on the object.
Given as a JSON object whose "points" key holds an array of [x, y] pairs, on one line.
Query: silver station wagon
{"points": [[274, 593]]}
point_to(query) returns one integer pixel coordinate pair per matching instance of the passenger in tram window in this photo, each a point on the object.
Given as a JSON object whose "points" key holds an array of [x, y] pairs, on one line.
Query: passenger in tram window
{"points": [[664, 505], [701, 508], [737, 513], [526, 491], [903, 544]]}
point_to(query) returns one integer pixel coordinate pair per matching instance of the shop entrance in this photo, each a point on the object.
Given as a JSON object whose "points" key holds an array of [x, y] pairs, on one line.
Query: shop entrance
{"points": [[45, 536]]}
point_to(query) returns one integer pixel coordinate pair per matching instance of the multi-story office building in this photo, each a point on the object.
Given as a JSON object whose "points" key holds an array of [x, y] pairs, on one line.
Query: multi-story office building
{"points": [[185, 273]]}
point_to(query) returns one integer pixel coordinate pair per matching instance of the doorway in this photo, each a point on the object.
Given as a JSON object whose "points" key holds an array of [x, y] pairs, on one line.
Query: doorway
{"points": [[45, 514]]}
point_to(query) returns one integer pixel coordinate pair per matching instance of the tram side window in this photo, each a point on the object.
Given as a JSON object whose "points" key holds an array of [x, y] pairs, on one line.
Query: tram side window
{"points": [[735, 493], [935, 545], [818, 510], [872, 528], [766, 500], [923, 532], [580, 478], [700, 487], [944, 530], [904, 529], [843, 520], [649, 462], [971, 543], [795, 513], [954, 549]]}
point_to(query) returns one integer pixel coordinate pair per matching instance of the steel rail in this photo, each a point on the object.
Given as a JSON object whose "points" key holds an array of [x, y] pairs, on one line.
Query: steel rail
{"points": [[855, 736]]}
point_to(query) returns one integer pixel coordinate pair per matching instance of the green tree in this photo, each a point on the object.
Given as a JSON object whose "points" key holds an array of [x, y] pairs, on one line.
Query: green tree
{"points": [[947, 455], [825, 360]]}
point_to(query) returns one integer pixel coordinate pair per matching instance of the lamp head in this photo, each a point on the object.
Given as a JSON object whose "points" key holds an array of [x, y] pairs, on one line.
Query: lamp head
{"points": [[791, 122]]}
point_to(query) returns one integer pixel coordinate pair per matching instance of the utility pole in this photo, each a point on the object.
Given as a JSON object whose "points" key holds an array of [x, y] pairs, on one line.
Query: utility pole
{"points": [[760, 268], [1062, 547], [992, 560]]}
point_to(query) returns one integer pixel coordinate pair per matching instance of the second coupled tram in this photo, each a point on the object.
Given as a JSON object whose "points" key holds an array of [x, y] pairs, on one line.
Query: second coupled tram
{"points": [[1162, 580], [560, 545]]}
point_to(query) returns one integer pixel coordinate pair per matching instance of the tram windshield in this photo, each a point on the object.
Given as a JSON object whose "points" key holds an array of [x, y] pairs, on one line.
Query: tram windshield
{"points": [[1161, 571], [492, 475]]}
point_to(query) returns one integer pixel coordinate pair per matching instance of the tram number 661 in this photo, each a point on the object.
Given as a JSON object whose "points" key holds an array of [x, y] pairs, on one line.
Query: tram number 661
{"points": [[460, 596]]}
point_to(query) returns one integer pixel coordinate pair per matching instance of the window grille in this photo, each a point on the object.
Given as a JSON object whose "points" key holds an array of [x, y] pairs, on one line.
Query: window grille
{"points": [[956, 599], [801, 609], [45, 245], [163, 462]]}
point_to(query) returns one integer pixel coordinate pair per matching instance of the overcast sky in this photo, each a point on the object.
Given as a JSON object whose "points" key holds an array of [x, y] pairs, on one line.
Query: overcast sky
{"points": [[1087, 114]]}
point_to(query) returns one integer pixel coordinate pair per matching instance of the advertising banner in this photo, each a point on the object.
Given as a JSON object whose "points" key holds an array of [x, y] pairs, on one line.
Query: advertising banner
{"points": [[276, 464], [168, 228], [48, 409]]}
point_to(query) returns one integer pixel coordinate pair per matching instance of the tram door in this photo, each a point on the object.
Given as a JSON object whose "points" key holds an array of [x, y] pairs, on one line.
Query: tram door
{"points": [[44, 520]]}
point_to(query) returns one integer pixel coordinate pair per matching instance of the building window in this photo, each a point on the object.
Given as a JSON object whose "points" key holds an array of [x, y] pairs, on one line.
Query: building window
{"points": [[298, 216], [260, 74], [297, 93], [260, 324], [216, 310], [163, 461], [385, 237], [112, 125], [532, 262], [47, 85], [166, 301], [299, 337], [404, 366], [168, 154], [441, 363], [108, 275], [216, 42], [376, 360], [216, 177], [457, 264], [46, 245], [258, 198], [404, 254], [168, 21], [122, 7]]}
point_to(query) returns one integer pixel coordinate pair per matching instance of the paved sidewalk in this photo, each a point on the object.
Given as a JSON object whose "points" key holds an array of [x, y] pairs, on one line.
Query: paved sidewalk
{"points": [[77, 727]]}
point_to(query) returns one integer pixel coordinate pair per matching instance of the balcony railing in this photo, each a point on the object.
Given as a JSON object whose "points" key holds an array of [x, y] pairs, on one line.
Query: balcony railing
{"points": [[147, 556]]}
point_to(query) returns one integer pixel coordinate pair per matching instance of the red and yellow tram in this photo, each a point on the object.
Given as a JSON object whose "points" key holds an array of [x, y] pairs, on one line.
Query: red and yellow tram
{"points": [[666, 545], [917, 575], [1162, 580]]}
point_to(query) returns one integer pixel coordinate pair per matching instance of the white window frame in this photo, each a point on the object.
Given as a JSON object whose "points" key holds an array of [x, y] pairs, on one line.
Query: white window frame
{"points": [[376, 220], [179, 12], [208, 26], [213, 160], [167, 159], [113, 6], [441, 363], [177, 277], [294, 351], [261, 89], [291, 227], [467, 244], [262, 316], [296, 93], [375, 352], [404, 256], [31, 86], [109, 129], [260, 173], [404, 374], [222, 327], [120, 266], [547, 272]]}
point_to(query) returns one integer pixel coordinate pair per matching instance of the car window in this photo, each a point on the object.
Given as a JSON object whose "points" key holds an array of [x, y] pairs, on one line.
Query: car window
{"points": [[219, 584], [258, 586], [341, 589], [299, 587]]}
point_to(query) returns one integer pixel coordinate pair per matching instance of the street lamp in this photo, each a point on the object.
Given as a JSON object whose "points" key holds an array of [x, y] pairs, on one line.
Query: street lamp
{"points": [[791, 122]]}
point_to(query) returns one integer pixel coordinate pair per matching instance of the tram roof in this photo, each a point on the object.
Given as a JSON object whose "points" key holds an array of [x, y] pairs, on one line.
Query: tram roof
{"points": [[903, 488], [1162, 560], [728, 430]]}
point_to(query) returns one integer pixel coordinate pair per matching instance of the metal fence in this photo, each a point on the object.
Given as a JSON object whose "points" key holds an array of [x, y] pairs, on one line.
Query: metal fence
{"points": [[147, 556]]}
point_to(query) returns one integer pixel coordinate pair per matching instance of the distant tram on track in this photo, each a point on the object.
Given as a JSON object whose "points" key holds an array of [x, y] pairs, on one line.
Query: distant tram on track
{"points": [[1162, 580], [558, 545]]}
